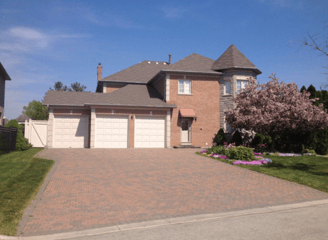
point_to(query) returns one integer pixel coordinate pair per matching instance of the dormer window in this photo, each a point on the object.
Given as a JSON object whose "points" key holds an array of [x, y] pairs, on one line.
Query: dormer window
{"points": [[227, 87], [241, 85], [184, 87]]}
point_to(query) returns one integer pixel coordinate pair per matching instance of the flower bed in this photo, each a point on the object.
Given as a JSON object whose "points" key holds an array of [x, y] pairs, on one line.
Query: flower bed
{"points": [[258, 156]]}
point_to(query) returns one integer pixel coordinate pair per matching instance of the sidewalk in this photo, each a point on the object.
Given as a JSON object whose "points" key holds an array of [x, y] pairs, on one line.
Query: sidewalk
{"points": [[307, 220]]}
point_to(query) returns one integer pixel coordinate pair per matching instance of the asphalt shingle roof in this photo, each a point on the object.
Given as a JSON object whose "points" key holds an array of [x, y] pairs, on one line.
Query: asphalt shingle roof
{"points": [[233, 58], [130, 95], [138, 73], [22, 118], [193, 63]]}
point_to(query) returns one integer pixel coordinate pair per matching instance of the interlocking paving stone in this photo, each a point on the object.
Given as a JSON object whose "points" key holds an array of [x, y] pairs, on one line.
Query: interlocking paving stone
{"points": [[93, 188]]}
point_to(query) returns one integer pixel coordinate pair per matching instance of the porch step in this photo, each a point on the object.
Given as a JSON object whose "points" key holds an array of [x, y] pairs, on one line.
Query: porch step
{"points": [[186, 146]]}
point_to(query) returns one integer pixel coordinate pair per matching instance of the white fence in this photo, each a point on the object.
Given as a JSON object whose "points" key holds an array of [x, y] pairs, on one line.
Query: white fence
{"points": [[36, 132]]}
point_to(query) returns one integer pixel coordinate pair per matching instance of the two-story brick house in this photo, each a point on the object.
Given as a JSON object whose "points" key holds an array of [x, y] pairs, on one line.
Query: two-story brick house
{"points": [[151, 104]]}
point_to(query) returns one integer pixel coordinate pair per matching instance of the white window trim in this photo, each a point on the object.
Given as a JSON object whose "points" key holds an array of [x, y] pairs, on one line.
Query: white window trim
{"points": [[184, 87], [241, 88]]}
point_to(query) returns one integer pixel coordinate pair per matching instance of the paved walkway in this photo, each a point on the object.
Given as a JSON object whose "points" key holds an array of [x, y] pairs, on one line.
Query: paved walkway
{"points": [[94, 188]]}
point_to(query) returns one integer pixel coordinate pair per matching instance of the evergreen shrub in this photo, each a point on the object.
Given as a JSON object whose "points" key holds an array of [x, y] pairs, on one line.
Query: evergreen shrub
{"points": [[236, 138], [220, 137], [21, 142]]}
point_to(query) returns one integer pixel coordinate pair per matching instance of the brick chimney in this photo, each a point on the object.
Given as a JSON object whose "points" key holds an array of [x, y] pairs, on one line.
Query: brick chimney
{"points": [[99, 71], [170, 58]]}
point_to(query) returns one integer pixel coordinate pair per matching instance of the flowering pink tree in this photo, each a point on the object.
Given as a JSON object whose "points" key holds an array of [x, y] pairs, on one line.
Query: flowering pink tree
{"points": [[275, 108]]}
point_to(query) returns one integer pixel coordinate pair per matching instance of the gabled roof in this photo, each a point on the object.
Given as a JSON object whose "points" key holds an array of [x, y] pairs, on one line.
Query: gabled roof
{"points": [[3, 73], [233, 58], [130, 95], [193, 63], [22, 118], [139, 73]]}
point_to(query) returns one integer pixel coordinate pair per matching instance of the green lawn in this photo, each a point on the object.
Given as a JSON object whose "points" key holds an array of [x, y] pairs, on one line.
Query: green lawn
{"points": [[311, 171], [21, 176]]}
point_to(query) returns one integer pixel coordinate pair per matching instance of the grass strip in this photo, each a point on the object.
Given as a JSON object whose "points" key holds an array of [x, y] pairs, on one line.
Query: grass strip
{"points": [[21, 176], [307, 170]]}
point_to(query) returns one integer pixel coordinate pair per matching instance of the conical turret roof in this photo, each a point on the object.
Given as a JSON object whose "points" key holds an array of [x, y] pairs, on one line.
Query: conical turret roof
{"points": [[233, 58]]}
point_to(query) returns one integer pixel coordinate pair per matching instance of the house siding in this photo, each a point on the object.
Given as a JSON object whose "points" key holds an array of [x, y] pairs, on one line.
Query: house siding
{"points": [[204, 100]]}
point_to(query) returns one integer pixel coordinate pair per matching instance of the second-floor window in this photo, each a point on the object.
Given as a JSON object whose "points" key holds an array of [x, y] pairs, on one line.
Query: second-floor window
{"points": [[241, 85], [184, 86], [227, 89]]}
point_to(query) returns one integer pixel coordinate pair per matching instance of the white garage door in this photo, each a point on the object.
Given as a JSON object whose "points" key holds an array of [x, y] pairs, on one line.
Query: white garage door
{"points": [[71, 131], [149, 132], [111, 131]]}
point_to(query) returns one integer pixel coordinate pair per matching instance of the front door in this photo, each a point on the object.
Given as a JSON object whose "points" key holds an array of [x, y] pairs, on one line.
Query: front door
{"points": [[185, 135]]}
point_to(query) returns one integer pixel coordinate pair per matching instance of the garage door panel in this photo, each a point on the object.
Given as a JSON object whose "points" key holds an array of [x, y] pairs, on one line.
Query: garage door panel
{"points": [[149, 132], [71, 131], [112, 132]]}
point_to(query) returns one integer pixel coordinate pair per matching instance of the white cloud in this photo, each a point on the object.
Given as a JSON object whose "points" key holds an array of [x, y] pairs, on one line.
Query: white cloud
{"points": [[24, 39], [22, 52]]}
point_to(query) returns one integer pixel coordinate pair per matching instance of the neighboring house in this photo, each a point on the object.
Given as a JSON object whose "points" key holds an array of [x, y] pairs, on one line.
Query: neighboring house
{"points": [[3, 78], [151, 104], [21, 119]]}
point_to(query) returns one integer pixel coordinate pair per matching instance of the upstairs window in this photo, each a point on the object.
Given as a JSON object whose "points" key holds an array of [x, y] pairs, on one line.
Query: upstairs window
{"points": [[227, 89], [241, 85], [184, 86]]}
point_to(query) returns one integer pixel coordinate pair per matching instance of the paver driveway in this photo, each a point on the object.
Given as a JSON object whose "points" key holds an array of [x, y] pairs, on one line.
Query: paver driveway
{"points": [[94, 188]]}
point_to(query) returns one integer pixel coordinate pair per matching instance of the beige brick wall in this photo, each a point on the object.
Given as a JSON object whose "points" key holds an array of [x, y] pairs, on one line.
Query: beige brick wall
{"points": [[204, 100]]}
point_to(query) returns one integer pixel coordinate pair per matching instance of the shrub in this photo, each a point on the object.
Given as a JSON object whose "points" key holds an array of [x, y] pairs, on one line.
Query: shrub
{"points": [[218, 150], [261, 139], [308, 151], [241, 153], [220, 137], [321, 141], [236, 138], [21, 142]]}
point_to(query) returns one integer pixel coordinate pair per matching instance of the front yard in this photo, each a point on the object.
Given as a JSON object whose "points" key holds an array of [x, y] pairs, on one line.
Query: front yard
{"points": [[21, 176], [308, 170]]}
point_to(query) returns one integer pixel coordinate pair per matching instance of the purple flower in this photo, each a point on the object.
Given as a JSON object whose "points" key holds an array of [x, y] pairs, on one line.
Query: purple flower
{"points": [[259, 162]]}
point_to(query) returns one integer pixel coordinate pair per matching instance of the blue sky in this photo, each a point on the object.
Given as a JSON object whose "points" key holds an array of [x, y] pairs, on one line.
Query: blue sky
{"points": [[42, 42]]}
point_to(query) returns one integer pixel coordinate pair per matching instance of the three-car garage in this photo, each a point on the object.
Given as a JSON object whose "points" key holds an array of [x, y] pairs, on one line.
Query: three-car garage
{"points": [[110, 131]]}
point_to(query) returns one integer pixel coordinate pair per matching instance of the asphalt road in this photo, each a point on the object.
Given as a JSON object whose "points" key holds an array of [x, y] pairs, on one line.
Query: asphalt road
{"points": [[300, 223]]}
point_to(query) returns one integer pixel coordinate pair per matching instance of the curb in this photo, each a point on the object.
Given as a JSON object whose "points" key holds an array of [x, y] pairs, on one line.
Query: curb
{"points": [[171, 221]]}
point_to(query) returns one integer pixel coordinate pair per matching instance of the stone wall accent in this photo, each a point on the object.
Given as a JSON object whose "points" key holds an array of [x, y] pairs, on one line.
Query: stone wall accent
{"points": [[226, 100]]}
